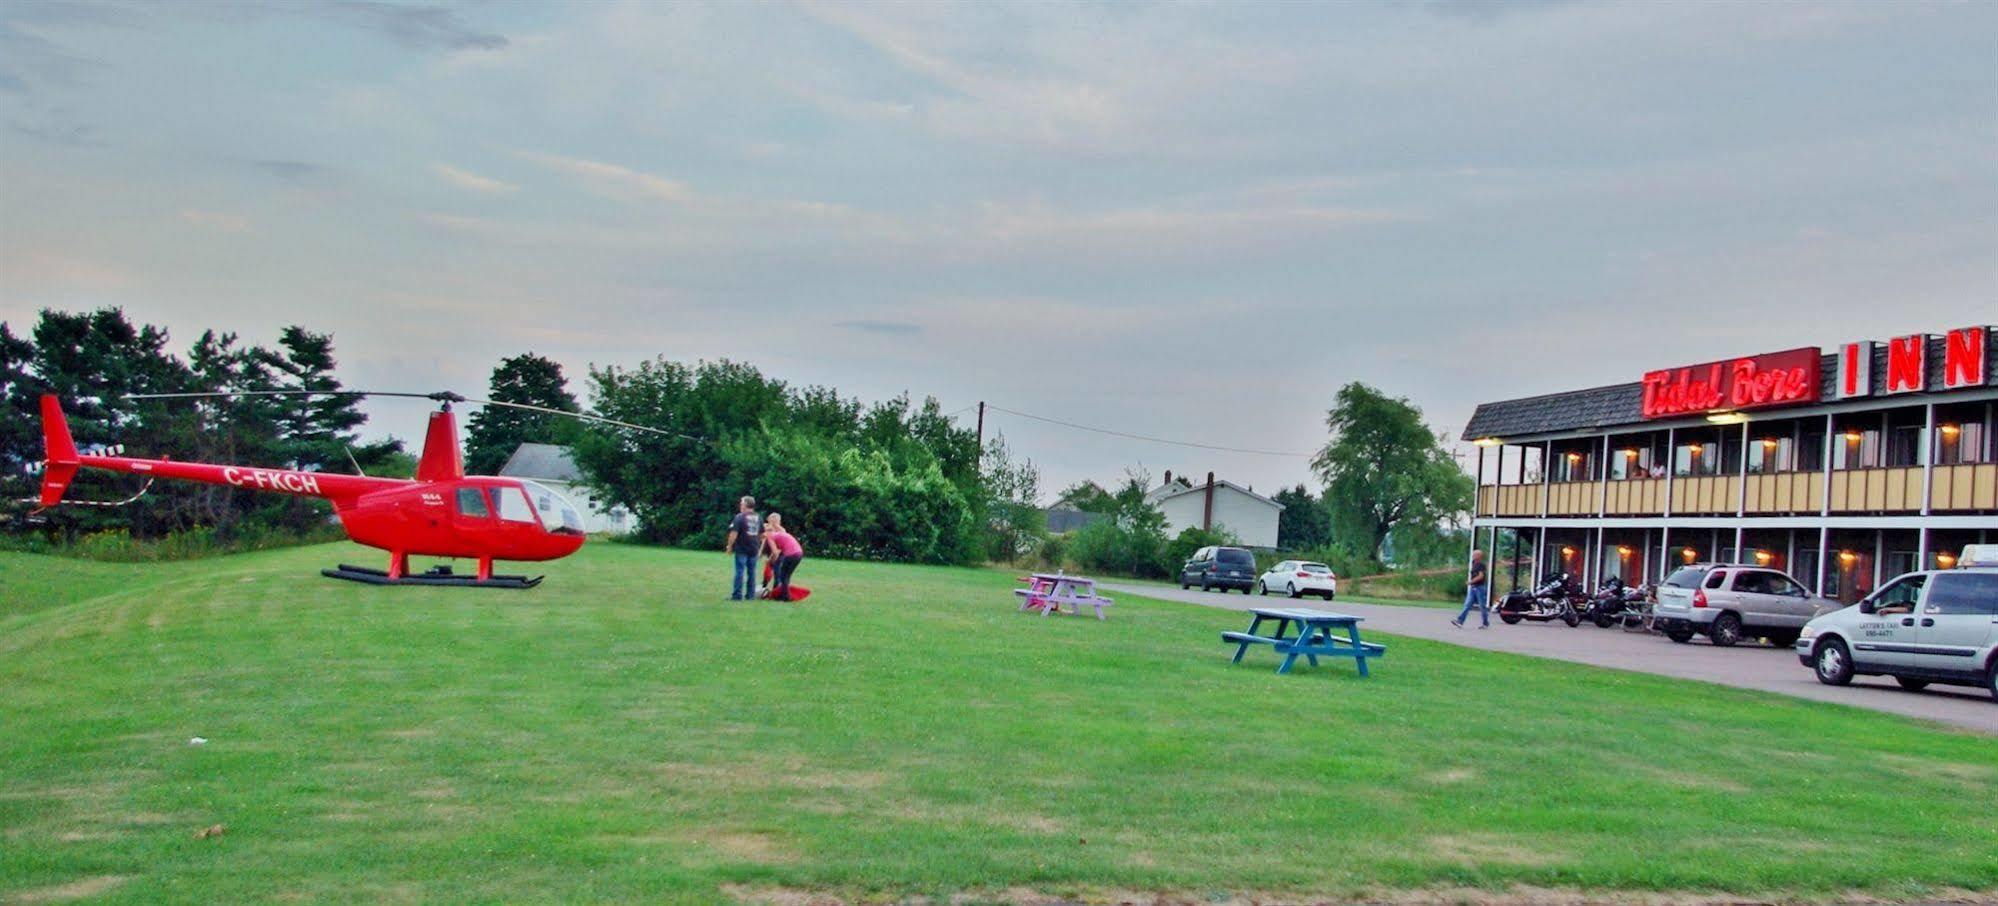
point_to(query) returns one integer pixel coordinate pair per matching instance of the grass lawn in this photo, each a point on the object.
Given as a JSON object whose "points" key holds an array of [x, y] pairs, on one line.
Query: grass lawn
{"points": [[625, 733]]}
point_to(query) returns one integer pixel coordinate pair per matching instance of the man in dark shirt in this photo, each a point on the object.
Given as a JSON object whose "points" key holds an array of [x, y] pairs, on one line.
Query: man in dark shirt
{"points": [[1475, 589], [745, 540]]}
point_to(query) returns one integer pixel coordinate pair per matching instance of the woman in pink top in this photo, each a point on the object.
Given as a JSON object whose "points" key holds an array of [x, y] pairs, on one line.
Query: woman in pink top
{"points": [[784, 553]]}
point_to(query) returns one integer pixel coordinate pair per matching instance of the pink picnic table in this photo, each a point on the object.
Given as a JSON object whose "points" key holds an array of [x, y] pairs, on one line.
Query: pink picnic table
{"points": [[1049, 593]]}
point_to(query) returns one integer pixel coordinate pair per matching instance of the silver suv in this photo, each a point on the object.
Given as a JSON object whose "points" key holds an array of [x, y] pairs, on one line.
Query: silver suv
{"points": [[1728, 602], [1933, 626]]}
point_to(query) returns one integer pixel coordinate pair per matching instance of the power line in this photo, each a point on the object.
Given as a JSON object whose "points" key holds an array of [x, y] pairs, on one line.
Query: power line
{"points": [[1143, 437]]}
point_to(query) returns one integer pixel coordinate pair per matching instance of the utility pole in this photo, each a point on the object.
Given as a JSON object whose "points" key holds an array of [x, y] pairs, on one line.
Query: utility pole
{"points": [[981, 427]]}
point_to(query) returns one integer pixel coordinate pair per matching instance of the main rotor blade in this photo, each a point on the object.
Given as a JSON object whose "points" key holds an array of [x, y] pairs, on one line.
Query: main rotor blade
{"points": [[443, 396], [584, 417]]}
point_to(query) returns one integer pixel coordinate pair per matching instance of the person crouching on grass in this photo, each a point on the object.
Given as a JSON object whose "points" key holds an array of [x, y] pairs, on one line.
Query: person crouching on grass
{"points": [[785, 554]]}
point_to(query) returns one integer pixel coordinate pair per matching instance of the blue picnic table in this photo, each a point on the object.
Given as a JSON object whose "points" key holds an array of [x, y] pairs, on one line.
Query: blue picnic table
{"points": [[1302, 631]]}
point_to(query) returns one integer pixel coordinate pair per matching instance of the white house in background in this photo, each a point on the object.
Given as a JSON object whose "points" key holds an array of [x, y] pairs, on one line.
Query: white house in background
{"points": [[1217, 503], [553, 466]]}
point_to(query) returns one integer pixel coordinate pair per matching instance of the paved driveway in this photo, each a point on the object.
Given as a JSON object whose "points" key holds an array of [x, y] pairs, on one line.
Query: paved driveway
{"points": [[1746, 666]]}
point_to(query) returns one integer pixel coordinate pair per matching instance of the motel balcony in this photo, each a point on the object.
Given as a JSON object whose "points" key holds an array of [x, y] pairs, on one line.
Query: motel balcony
{"points": [[1866, 463]]}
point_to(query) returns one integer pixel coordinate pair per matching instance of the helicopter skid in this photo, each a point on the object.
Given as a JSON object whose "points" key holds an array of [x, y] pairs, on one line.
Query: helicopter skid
{"points": [[441, 575]]}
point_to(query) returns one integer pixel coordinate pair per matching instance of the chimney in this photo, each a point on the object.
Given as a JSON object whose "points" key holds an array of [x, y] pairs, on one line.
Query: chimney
{"points": [[1207, 516], [1168, 480]]}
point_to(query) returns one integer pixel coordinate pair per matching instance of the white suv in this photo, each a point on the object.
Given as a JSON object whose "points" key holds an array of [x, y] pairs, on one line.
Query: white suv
{"points": [[1933, 626]]}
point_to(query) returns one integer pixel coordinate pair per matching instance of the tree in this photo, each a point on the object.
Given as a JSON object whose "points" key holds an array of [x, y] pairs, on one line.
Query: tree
{"points": [[1304, 524], [1088, 497], [494, 432], [1015, 523], [20, 439], [896, 480], [1133, 540], [1383, 467], [95, 362]]}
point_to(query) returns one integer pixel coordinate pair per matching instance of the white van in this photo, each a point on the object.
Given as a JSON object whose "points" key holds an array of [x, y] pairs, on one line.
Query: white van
{"points": [[1932, 626]]}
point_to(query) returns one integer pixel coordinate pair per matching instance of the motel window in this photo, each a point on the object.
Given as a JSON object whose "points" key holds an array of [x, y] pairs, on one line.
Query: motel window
{"points": [[1903, 442], [1574, 465], [1695, 459], [1811, 450], [1856, 447], [1963, 435], [1772, 454], [1635, 457]]}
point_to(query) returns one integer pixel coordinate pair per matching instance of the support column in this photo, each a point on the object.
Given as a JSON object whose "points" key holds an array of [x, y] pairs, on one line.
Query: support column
{"points": [[1741, 498], [1824, 552], [1515, 560], [1879, 547], [1596, 563], [1602, 494], [1671, 465], [1922, 549], [1824, 498], [1926, 450], [1546, 476], [1790, 552], [1539, 556], [1664, 551], [1738, 558]]}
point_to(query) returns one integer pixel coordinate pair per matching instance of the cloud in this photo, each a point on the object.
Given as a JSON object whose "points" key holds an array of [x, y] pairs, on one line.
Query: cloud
{"points": [[472, 182], [220, 220], [422, 27], [888, 328], [292, 170], [55, 131], [611, 180]]}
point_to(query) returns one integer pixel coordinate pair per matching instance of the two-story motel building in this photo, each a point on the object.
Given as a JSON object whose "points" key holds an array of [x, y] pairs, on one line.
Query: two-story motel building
{"points": [[1842, 468]]}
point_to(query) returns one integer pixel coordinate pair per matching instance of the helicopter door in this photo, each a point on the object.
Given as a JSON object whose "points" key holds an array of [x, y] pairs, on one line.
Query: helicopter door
{"points": [[474, 522]]}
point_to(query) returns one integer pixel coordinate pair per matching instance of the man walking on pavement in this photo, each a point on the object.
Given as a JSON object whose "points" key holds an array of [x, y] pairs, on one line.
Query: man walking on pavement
{"points": [[745, 540], [1476, 589]]}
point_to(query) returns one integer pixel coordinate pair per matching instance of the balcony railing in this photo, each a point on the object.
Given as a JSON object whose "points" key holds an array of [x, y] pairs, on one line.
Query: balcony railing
{"points": [[1964, 487], [1969, 487], [1636, 497], [1785, 492]]}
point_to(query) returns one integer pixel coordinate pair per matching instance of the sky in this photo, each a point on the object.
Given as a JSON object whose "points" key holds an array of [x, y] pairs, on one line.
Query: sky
{"points": [[1192, 221]]}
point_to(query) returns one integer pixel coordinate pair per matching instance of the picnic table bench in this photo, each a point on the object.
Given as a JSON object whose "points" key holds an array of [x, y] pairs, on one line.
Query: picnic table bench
{"points": [[1049, 593], [1313, 637]]}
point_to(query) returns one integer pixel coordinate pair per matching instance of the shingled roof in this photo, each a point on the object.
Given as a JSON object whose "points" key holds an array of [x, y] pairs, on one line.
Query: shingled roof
{"points": [[1623, 404]]}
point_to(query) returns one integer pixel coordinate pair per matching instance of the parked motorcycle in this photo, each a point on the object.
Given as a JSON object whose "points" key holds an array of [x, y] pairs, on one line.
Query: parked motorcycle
{"points": [[1612, 601], [1555, 599]]}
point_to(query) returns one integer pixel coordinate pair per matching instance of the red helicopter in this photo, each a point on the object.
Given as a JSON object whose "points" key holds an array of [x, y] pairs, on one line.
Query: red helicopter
{"points": [[442, 512]]}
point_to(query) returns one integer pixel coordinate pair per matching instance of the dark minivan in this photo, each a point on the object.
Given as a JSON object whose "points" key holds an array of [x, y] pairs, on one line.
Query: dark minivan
{"points": [[1220, 567]]}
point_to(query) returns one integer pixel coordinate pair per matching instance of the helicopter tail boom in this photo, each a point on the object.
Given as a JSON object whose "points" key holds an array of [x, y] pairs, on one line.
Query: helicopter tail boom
{"points": [[61, 460]]}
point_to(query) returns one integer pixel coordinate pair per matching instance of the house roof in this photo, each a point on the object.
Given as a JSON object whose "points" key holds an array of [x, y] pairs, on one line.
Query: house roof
{"points": [[1623, 404], [1175, 489], [542, 462]]}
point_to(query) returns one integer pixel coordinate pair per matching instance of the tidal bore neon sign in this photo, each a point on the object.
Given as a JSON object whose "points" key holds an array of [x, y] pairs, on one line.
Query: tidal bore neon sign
{"points": [[1792, 378], [1773, 379]]}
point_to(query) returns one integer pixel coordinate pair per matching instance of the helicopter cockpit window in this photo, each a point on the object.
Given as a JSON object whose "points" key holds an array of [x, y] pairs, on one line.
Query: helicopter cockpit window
{"points": [[557, 513], [513, 505], [472, 502]]}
